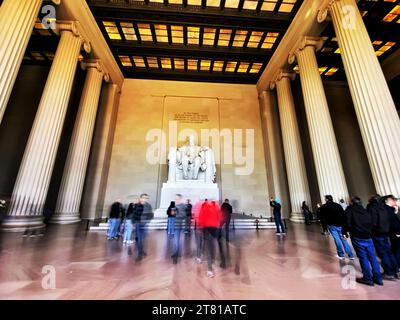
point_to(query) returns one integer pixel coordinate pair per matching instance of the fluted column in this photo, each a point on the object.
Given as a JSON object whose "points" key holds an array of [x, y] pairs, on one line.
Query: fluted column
{"points": [[70, 193], [374, 105], [30, 190], [100, 154], [294, 158], [273, 170], [327, 160], [17, 19]]}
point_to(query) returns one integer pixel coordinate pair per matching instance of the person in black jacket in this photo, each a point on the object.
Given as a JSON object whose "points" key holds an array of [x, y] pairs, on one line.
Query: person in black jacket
{"points": [[383, 216], [143, 214], [277, 205], [226, 210], [129, 222], [306, 212], [114, 220], [360, 223], [171, 213], [189, 208], [333, 215]]}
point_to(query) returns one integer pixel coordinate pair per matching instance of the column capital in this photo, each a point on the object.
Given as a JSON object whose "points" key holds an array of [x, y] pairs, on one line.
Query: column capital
{"points": [[302, 43], [57, 2], [323, 13], [96, 63], [75, 28], [280, 75]]}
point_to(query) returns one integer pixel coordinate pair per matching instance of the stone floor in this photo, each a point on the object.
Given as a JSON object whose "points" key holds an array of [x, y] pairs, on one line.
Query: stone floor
{"points": [[301, 265]]}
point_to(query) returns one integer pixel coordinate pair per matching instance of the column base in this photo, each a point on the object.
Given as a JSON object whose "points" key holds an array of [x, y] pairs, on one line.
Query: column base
{"points": [[297, 217], [22, 223], [65, 218]]}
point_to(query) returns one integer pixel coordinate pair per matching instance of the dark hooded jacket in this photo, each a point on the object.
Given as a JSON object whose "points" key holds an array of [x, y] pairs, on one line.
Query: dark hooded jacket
{"points": [[382, 217], [359, 222], [332, 214]]}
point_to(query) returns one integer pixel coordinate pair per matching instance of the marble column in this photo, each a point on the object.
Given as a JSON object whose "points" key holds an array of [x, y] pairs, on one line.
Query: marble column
{"points": [[376, 112], [100, 155], [273, 170], [17, 19], [31, 186], [70, 193], [327, 160], [294, 159]]}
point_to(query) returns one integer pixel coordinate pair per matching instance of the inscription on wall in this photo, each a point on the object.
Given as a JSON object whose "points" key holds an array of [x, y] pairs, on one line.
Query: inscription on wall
{"points": [[191, 117]]}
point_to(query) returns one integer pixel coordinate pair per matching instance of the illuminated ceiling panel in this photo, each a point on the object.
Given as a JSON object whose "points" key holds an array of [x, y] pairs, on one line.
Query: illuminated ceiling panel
{"points": [[256, 67], [166, 63], [250, 4], [218, 66], [192, 64], [193, 35], [231, 66], [161, 32], [125, 61], [232, 4], [152, 62], [227, 40], [139, 62], [209, 36], [243, 67], [213, 3], [179, 64], [393, 14], [224, 37], [255, 39], [128, 30], [112, 30], [177, 34], [205, 65], [145, 32], [240, 38]]}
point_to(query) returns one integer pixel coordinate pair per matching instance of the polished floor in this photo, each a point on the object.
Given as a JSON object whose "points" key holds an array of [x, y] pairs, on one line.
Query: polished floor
{"points": [[301, 265]]}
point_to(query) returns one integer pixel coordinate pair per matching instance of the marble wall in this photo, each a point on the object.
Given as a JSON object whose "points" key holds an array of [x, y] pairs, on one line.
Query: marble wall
{"points": [[141, 109]]}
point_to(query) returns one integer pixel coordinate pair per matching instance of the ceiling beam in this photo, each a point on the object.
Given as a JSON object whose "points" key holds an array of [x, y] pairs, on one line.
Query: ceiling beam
{"points": [[190, 15], [182, 51], [193, 76]]}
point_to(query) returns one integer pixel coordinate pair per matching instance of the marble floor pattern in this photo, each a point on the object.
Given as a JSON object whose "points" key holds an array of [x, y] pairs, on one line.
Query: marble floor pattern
{"points": [[301, 265]]}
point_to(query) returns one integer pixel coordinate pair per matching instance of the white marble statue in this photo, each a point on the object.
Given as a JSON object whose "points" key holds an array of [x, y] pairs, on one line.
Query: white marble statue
{"points": [[191, 162]]}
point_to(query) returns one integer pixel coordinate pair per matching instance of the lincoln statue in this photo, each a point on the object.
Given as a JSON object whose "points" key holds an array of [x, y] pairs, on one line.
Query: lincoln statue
{"points": [[191, 162]]}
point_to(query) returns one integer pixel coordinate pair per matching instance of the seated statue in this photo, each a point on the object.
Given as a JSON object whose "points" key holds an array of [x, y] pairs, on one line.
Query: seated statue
{"points": [[192, 160]]}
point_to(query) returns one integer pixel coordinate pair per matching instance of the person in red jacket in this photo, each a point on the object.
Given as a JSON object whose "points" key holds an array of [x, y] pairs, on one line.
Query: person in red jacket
{"points": [[210, 220]]}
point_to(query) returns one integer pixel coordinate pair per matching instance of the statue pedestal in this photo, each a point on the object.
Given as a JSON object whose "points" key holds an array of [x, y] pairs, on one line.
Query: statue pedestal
{"points": [[194, 190]]}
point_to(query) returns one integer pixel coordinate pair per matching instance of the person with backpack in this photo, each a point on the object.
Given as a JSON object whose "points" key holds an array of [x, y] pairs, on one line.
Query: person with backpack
{"points": [[360, 223], [276, 204]]}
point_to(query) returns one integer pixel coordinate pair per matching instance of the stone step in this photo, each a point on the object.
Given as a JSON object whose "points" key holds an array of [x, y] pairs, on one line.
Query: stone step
{"points": [[161, 224]]}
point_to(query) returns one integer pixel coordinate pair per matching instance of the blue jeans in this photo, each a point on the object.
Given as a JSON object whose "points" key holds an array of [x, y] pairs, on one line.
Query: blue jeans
{"points": [[113, 228], [177, 240], [128, 230], [365, 251], [384, 251], [171, 225], [340, 242], [140, 235], [279, 223]]}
